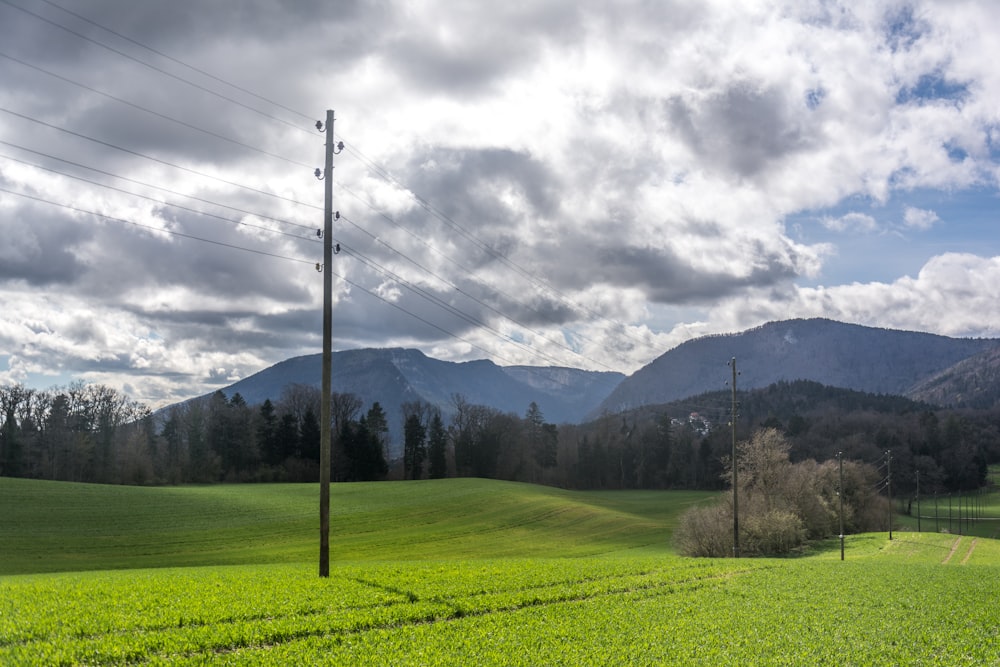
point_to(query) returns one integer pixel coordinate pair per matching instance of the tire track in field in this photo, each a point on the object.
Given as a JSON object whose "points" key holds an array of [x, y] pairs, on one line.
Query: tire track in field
{"points": [[969, 552], [454, 610], [954, 548]]}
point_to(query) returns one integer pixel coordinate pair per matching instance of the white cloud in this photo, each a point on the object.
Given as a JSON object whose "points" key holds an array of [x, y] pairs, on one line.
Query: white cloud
{"points": [[955, 294], [919, 219], [852, 223]]}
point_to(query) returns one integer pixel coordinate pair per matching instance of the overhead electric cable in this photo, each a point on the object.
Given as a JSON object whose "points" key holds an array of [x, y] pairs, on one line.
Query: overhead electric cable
{"points": [[162, 203], [180, 62], [158, 187], [156, 229], [370, 164], [152, 67], [474, 298], [470, 272], [445, 305], [427, 206], [156, 113], [425, 321], [154, 159]]}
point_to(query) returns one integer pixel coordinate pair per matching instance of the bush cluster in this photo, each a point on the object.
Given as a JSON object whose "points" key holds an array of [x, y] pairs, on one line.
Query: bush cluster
{"points": [[782, 505]]}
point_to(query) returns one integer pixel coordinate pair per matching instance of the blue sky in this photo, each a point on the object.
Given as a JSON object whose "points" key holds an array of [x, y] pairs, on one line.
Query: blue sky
{"points": [[559, 182]]}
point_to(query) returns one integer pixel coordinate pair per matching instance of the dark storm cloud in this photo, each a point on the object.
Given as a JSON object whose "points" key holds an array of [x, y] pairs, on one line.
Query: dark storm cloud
{"points": [[39, 245], [742, 129], [669, 279], [181, 24], [468, 183]]}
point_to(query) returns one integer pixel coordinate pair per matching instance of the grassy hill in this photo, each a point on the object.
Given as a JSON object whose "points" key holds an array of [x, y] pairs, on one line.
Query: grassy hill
{"points": [[61, 526], [458, 572]]}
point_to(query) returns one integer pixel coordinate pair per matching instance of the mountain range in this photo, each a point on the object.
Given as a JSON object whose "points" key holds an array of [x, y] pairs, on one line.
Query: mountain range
{"points": [[848, 356], [393, 376], [932, 368]]}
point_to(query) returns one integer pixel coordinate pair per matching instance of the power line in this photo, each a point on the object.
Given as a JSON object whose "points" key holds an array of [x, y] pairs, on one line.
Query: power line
{"points": [[152, 67], [419, 239], [157, 201], [139, 107], [445, 305], [156, 229], [360, 256], [258, 252], [156, 187], [477, 300], [368, 261], [370, 164], [538, 282], [180, 62], [154, 159]]}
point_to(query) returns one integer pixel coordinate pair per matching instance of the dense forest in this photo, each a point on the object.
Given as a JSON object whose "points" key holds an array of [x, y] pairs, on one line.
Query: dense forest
{"points": [[91, 433]]}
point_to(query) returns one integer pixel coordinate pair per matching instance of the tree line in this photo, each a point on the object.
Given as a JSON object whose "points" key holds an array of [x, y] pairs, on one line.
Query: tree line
{"points": [[92, 433]]}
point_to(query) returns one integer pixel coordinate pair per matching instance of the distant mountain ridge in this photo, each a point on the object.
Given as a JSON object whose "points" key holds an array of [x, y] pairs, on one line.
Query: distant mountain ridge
{"points": [[939, 370], [849, 356], [393, 376]]}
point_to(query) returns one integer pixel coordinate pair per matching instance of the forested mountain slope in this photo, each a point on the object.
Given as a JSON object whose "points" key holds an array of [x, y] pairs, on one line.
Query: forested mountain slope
{"points": [[835, 354]]}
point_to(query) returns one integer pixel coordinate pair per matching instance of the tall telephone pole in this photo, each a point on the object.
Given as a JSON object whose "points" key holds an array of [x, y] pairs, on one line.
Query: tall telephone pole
{"points": [[325, 408], [736, 502]]}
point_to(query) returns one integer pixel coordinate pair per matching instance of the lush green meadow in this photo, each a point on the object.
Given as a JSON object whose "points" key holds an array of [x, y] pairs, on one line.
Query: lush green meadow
{"points": [[58, 526], [460, 572]]}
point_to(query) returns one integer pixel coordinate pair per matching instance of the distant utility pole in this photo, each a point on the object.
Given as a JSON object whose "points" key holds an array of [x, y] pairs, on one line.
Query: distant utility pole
{"points": [[888, 464], [840, 492], [325, 408], [736, 502]]}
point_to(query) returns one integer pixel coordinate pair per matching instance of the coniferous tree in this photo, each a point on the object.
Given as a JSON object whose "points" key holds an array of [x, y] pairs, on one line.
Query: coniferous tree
{"points": [[267, 434], [310, 437], [414, 447], [437, 444]]}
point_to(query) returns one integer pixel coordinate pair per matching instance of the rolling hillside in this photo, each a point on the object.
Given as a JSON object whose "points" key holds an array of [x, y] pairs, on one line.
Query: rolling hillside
{"points": [[62, 526]]}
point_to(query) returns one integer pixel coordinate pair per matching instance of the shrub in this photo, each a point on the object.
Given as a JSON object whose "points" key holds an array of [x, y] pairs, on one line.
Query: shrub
{"points": [[782, 504]]}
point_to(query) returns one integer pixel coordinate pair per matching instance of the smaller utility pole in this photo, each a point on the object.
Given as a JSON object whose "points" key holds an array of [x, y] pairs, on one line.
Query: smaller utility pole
{"points": [[918, 502], [736, 502], [888, 463], [840, 492]]}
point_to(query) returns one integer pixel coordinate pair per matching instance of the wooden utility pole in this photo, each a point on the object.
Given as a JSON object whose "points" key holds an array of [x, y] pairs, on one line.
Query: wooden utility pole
{"points": [[325, 408], [840, 492], [736, 502], [888, 464]]}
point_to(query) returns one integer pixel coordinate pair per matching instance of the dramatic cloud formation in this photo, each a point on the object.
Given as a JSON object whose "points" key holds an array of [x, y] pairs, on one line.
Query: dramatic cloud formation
{"points": [[553, 183]]}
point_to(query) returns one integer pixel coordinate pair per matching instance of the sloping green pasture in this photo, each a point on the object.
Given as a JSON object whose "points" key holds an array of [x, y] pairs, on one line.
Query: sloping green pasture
{"points": [[59, 526], [503, 574]]}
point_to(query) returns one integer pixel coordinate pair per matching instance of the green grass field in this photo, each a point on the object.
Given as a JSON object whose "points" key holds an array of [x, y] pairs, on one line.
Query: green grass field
{"points": [[460, 572]]}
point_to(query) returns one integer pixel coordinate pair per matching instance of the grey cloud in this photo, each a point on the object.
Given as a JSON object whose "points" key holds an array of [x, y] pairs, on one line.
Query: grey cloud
{"points": [[742, 129], [468, 182], [39, 246], [670, 279], [483, 45]]}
